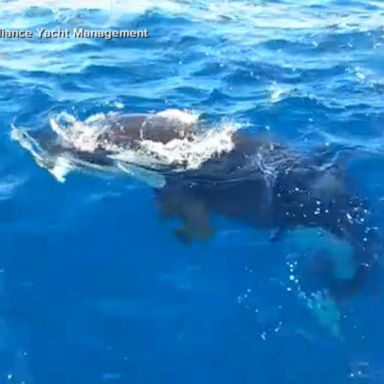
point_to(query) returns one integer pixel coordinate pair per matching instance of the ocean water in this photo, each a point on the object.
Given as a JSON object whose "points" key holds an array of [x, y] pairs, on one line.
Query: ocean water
{"points": [[94, 286]]}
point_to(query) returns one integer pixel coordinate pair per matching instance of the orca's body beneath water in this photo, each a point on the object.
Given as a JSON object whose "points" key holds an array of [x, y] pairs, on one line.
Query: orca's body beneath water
{"points": [[258, 181], [267, 185]]}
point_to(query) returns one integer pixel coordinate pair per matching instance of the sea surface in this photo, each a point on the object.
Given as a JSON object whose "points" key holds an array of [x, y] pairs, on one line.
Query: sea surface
{"points": [[94, 286]]}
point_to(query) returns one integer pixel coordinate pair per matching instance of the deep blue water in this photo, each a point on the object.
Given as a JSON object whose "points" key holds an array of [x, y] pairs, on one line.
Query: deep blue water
{"points": [[94, 286]]}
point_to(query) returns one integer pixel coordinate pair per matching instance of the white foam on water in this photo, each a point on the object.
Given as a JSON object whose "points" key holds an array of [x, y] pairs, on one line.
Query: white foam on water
{"points": [[291, 15], [183, 117], [179, 154], [288, 16], [186, 153], [191, 154], [138, 7], [58, 166], [81, 135], [26, 141], [278, 92]]}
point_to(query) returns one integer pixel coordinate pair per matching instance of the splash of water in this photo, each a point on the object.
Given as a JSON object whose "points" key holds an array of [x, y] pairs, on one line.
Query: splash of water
{"points": [[76, 135]]}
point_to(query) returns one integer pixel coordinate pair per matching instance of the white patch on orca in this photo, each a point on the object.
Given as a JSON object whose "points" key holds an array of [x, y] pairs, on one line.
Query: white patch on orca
{"points": [[61, 168], [135, 158], [150, 178]]}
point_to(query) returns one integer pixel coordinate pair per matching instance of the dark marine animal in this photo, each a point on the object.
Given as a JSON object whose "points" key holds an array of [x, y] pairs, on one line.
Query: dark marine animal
{"points": [[260, 182]]}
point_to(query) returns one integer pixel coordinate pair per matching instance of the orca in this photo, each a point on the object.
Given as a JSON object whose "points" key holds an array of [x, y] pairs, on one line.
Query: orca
{"points": [[258, 181]]}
